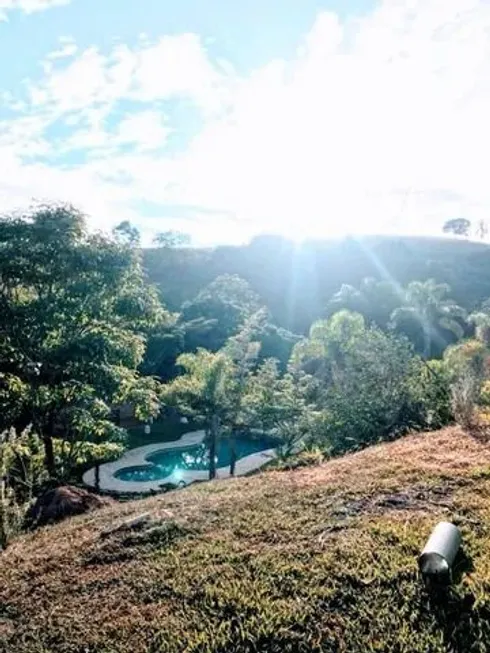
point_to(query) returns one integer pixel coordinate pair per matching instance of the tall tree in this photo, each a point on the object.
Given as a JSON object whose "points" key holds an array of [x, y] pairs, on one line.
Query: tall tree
{"points": [[172, 239], [457, 226], [480, 319], [429, 310], [127, 233], [282, 406], [218, 311], [202, 392], [481, 230], [375, 300], [73, 310], [322, 351]]}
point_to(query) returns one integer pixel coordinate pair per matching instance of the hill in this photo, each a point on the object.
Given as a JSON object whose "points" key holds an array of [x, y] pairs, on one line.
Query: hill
{"points": [[314, 559], [295, 281]]}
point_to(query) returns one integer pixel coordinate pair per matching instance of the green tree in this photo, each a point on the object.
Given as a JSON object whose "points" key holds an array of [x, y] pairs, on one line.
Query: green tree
{"points": [[243, 350], [320, 353], [364, 381], [429, 317], [127, 233], [370, 395], [275, 342], [164, 344], [374, 300], [281, 406], [457, 226], [73, 310], [172, 239], [218, 312], [480, 319], [202, 392]]}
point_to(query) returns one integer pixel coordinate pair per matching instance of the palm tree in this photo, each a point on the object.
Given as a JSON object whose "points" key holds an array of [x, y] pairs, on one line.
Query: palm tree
{"points": [[201, 392], [427, 303], [375, 300]]}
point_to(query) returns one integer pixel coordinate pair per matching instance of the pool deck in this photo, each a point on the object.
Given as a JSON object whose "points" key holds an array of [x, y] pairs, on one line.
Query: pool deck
{"points": [[138, 458]]}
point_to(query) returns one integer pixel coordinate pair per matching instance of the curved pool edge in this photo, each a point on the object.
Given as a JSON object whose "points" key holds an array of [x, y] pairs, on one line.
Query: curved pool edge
{"points": [[138, 457]]}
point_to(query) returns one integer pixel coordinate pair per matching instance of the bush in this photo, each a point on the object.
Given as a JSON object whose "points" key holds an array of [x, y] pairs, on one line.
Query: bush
{"points": [[21, 476], [465, 392], [431, 396], [371, 397]]}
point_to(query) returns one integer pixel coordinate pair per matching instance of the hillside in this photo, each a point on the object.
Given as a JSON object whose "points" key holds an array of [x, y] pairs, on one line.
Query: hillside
{"points": [[316, 559], [295, 282]]}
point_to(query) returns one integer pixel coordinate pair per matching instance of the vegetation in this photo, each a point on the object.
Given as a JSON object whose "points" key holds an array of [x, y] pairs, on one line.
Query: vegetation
{"points": [[317, 559], [73, 310], [296, 282], [83, 332], [457, 226]]}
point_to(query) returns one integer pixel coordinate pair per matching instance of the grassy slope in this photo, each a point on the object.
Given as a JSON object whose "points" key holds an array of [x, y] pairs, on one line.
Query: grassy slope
{"points": [[314, 559]]}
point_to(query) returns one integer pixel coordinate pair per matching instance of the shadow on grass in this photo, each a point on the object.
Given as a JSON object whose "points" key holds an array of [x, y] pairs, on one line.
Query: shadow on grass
{"points": [[464, 622]]}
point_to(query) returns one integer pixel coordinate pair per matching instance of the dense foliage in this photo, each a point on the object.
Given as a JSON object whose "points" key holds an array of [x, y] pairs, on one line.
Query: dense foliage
{"points": [[73, 310], [82, 332], [296, 281]]}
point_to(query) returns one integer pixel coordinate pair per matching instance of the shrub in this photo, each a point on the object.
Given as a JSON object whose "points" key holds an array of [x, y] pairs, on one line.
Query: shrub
{"points": [[21, 475], [431, 396], [371, 396], [465, 392]]}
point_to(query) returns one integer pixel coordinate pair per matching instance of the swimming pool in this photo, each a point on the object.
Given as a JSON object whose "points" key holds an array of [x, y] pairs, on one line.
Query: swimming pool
{"points": [[168, 462]]}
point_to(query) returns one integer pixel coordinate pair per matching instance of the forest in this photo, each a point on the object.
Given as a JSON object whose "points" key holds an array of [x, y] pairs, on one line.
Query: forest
{"points": [[327, 347]]}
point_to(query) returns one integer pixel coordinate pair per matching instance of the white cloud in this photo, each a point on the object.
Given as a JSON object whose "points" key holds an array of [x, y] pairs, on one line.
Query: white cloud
{"points": [[67, 49], [377, 123], [371, 117], [146, 130], [28, 6]]}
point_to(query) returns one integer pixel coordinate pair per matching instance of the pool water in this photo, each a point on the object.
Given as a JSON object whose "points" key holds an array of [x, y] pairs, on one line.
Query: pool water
{"points": [[162, 464]]}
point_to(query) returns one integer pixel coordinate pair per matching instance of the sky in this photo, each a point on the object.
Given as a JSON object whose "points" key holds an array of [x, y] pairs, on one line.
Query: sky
{"points": [[227, 119]]}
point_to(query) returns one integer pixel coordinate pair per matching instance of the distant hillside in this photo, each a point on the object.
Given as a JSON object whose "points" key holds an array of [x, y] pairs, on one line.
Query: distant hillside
{"points": [[320, 559], [295, 282]]}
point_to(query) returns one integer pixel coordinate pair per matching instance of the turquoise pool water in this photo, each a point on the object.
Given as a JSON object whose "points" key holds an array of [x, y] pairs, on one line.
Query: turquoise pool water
{"points": [[164, 463]]}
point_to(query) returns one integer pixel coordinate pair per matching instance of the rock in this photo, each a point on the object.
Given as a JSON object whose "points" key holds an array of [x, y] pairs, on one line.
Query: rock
{"points": [[62, 502]]}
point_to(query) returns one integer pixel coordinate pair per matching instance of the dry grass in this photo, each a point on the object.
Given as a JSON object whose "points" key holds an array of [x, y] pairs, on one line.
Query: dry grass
{"points": [[317, 559]]}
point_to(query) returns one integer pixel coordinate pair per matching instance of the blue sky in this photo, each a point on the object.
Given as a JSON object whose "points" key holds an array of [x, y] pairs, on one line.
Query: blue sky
{"points": [[227, 119]]}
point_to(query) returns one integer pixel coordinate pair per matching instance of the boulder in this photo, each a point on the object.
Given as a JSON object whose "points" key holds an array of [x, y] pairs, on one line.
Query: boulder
{"points": [[62, 502]]}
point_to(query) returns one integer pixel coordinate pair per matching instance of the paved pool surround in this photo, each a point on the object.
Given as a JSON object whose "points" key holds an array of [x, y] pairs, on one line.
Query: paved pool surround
{"points": [[139, 458]]}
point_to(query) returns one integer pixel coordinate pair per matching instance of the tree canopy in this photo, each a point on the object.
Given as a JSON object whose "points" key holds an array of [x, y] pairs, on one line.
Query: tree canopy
{"points": [[457, 226], [74, 307]]}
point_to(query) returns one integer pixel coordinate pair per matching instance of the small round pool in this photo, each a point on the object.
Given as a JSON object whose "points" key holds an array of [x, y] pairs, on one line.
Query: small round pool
{"points": [[163, 464]]}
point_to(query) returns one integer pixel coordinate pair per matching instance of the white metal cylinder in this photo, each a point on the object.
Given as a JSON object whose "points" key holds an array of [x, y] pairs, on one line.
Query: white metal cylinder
{"points": [[439, 554]]}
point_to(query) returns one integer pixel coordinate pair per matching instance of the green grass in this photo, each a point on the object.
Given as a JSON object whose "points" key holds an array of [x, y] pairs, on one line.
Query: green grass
{"points": [[315, 559]]}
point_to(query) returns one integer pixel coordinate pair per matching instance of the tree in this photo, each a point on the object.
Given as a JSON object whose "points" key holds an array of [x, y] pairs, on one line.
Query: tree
{"points": [[482, 229], [201, 392], [165, 343], [480, 319], [73, 310], [281, 406], [320, 353], [217, 313], [374, 300], [457, 226], [372, 394], [275, 342], [172, 239], [127, 233], [428, 311], [243, 350]]}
